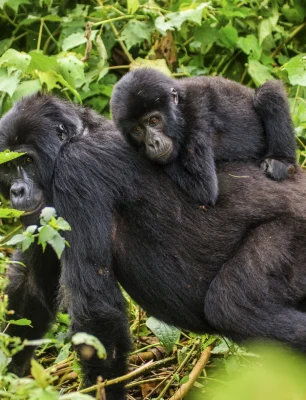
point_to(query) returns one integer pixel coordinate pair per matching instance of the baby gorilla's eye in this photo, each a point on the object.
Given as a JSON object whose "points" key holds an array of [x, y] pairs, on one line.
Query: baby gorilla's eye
{"points": [[153, 120], [137, 130]]}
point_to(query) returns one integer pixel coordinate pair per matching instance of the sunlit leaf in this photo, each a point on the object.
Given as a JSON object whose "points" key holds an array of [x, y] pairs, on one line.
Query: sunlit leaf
{"points": [[132, 6], [15, 60], [296, 69], [135, 32]]}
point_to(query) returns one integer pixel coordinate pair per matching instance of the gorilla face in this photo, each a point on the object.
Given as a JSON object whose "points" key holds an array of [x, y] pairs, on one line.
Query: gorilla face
{"points": [[27, 180]]}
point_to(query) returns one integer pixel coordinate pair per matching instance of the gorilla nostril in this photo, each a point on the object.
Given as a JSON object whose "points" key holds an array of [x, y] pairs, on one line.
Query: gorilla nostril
{"points": [[18, 191]]}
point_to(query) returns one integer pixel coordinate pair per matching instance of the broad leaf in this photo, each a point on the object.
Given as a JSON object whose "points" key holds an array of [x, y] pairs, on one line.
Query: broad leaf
{"points": [[259, 73], [135, 32], [15, 60], [296, 69], [167, 334]]}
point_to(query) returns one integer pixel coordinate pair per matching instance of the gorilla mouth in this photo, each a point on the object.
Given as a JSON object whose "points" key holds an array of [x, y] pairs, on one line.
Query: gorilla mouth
{"points": [[34, 210], [165, 152]]}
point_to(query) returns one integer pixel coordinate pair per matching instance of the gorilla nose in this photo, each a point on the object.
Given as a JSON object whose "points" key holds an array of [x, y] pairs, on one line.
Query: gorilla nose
{"points": [[155, 144], [17, 191]]}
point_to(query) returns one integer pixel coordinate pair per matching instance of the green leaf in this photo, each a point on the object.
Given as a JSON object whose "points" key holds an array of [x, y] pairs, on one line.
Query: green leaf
{"points": [[72, 69], [40, 62], [26, 88], [50, 79], [296, 69], [4, 361], [267, 25], [31, 229], [132, 6], [74, 40], [62, 224], [258, 72], [228, 36], [8, 83], [250, 45], [90, 340], [46, 233], [63, 318], [58, 244], [8, 155], [21, 322], [15, 240], [175, 20], [42, 378], [13, 4], [14, 60], [159, 64], [26, 243], [162, 25], [5, 44], [10, 213], [63, 354], [206, 34], [135, 32], [53, 18], [48, 213], [167, 334]]}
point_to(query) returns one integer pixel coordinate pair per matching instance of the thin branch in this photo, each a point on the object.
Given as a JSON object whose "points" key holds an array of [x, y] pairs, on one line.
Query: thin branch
{"points": [[6, 237], [293, 34], [194, 374], [125, 50], [144, 368]]}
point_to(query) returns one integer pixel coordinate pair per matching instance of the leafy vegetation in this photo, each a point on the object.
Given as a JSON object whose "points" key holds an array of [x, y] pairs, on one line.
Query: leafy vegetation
{"points": [[79, 50]]}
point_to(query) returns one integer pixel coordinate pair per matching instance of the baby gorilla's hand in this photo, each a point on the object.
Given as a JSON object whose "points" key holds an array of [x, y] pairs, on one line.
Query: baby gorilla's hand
{"points": [[278, 170]]}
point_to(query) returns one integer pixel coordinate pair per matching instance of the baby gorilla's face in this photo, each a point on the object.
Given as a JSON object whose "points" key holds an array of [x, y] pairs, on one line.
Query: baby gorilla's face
{"points": [[148, 133]]}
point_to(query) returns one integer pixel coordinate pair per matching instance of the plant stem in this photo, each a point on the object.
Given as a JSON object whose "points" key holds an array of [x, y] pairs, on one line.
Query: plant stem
{"points": [[6, 237], [40, 34], [150, 365], [125, 50], [295, 99], [198, 368]]}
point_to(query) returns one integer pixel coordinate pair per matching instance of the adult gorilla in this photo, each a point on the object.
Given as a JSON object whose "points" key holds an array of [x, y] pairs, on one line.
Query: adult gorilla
{"points": [[238, 268]]}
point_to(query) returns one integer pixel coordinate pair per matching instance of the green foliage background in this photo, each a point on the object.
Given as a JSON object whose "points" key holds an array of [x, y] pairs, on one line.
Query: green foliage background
{"points": [[43, 47], [79, 50]]}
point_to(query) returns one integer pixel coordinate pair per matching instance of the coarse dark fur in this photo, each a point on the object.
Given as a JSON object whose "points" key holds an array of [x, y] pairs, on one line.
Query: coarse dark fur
{"points": [[208, 119], [238, 268]]}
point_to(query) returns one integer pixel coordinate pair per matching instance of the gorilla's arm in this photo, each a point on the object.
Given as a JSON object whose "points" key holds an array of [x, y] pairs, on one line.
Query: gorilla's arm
{"points": [[195, 170], [32, 294], [271, 104]]}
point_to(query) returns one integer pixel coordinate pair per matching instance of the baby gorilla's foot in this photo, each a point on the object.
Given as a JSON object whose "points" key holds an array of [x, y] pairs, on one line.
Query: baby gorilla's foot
{"points": [[278, 170]]}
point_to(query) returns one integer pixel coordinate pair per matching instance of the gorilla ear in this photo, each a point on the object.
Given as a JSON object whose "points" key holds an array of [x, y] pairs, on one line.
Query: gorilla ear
{"points": [[61, 131], [174, 95]]}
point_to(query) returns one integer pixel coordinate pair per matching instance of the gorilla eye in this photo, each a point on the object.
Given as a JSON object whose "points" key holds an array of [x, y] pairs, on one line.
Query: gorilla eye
{"points": [[28, 160], [137, 130], [153, 120]]}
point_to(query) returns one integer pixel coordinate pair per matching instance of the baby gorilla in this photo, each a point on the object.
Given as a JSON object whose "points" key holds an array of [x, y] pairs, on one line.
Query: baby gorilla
{"points": [[189, 124]]}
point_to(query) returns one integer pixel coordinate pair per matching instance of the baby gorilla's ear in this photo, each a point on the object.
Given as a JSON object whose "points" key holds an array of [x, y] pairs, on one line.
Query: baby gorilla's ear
{"points": [[174, 95]]}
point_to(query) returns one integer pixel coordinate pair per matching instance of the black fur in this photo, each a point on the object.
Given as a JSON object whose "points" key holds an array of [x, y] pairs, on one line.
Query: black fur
{"points": [[215, 119], [238, 268]]}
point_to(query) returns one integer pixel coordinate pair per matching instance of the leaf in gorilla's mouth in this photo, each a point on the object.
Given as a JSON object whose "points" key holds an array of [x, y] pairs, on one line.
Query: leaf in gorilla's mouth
{"points": [[34, 211]]}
